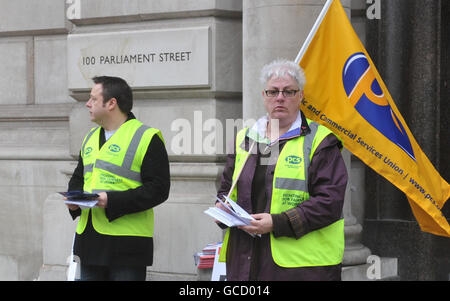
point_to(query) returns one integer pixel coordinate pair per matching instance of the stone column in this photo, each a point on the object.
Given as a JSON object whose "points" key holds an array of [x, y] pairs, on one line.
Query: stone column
{"points": [[410, 47], [355, 252], [272, 29]]}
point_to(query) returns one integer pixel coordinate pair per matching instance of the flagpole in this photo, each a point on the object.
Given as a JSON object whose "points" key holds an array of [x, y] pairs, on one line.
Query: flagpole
{"points": [[313, 31]]}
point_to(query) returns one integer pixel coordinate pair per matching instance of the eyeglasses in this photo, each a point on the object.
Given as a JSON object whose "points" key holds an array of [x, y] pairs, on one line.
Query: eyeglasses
{"points": [[286, 93]]}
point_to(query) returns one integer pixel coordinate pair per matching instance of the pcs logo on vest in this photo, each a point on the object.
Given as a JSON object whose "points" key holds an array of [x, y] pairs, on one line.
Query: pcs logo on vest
{"points": [[293, 161], [114, 148], [88, 150]]}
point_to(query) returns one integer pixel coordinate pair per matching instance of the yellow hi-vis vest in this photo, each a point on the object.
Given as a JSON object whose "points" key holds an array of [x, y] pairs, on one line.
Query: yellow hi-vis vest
{"points": [[116, 166], [321, 247]]}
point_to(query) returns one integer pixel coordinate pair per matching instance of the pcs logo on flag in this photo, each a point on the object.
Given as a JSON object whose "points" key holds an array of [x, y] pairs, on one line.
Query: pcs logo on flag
{"points": [[366, 95]]}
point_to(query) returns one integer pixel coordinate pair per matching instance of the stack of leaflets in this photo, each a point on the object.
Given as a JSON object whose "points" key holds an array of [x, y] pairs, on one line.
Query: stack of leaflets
{"points": [[205, 259], [233, 217], [80, 198]]}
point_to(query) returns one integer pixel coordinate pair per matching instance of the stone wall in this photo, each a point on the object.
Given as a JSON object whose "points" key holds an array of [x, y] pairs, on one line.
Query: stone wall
{"points": [[34, 115], [43, 118], [43, 121]]}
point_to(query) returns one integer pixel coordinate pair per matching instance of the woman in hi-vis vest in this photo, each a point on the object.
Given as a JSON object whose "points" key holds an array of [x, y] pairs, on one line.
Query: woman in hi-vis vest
{"points": [[288, 172]]}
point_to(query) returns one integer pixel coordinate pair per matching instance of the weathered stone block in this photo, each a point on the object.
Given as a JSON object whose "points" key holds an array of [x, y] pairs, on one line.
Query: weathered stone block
{"points": [[15, 79], [181, 227], [32, 17], [50, 72], [34, 137], [9, 270], [57, 241], [79, 124]]}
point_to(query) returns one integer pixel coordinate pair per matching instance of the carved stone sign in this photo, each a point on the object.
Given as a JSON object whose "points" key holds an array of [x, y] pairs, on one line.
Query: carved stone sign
{"points": [[147, 59]]}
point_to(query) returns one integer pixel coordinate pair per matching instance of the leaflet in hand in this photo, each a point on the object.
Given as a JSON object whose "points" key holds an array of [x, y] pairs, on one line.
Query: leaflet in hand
{"points": [[235, 217], [79, 195], [84, 200]]}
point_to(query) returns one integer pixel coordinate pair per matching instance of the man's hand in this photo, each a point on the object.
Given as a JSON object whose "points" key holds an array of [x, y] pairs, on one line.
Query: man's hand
{"points": [[102, 200], [261, 225], [71, 207]]}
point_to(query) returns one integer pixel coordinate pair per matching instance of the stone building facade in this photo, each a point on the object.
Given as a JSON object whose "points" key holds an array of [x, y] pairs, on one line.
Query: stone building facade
{"points": [[193, 65]]}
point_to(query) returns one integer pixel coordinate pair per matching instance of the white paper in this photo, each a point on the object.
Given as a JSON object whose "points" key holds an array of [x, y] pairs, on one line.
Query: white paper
{"points": [[219, 268], [82, 204], [224, 217], [240, 212], [237, 216]]}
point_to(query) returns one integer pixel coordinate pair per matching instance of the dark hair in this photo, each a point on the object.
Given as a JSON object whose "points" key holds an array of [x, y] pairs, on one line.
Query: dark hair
{"points": [[116, 87]]}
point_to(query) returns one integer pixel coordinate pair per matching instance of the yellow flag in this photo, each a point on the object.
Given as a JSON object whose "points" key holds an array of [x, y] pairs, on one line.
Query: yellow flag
{"points": [[345, 92]]}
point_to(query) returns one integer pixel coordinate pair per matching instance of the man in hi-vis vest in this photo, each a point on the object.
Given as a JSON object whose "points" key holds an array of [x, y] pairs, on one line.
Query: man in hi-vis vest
{"points": [[291, 177], [125, 162]]}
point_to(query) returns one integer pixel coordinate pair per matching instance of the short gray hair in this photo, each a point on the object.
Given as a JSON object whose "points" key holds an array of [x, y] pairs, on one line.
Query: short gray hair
{"points": [[282, 68]]}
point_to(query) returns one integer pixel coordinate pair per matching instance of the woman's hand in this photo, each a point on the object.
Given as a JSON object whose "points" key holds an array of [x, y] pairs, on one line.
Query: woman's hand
{"points": [[261, 225], [220, 206]]}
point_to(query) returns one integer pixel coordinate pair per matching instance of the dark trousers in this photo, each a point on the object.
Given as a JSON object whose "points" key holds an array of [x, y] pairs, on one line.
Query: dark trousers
{"points": [[112, 273]]}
